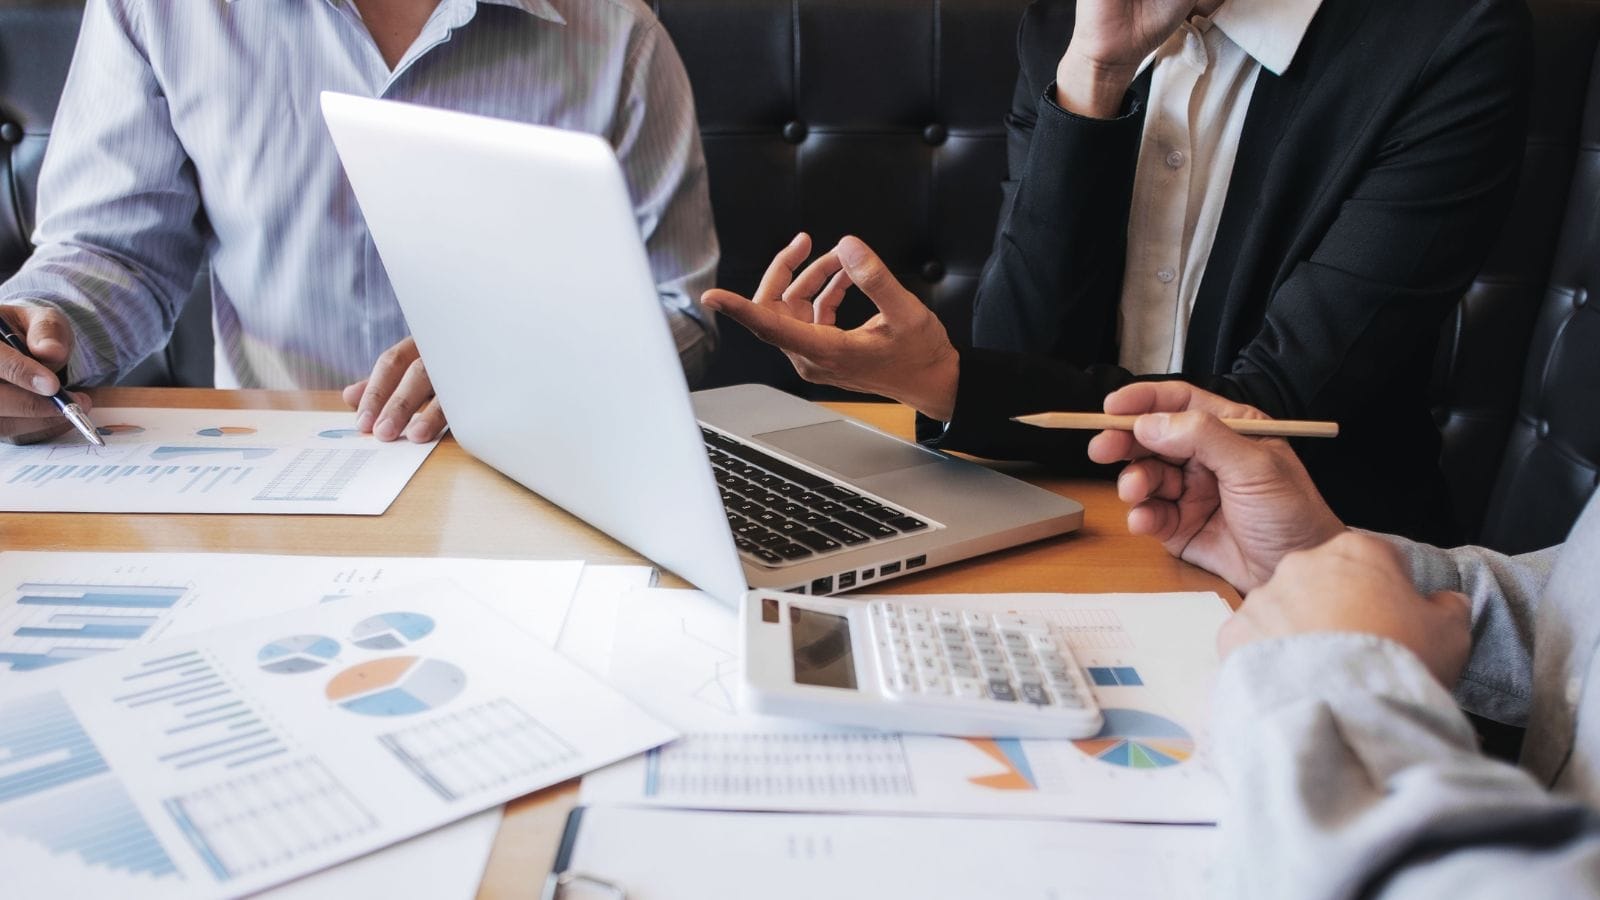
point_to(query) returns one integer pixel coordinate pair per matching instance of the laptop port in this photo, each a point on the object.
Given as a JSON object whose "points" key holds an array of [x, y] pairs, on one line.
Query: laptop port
{"points": [[868, 574], [916, 562], [822, 585], [847, 580], [796, 590], [888, 568]]}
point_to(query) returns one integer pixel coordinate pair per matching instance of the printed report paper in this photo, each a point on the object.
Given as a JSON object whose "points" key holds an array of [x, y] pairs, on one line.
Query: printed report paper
{"points": [[211, 461], [659, 854], [1150, 658], [224, 763]]}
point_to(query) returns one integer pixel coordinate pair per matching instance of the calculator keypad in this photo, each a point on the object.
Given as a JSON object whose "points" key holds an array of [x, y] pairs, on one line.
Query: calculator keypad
{"points": [[973, 655]]}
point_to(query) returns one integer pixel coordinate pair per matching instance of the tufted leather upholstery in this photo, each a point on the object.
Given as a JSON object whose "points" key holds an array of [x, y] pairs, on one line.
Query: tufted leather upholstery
{"points": [[1485, 347], [883, 118]]}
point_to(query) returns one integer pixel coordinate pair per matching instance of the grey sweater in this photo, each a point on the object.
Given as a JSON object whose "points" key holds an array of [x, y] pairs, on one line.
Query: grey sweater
{"points": [[1352, 772]]}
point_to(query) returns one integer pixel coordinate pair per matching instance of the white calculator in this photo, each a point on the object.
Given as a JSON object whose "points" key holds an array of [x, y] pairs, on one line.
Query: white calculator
{"points": [[917, 665]]}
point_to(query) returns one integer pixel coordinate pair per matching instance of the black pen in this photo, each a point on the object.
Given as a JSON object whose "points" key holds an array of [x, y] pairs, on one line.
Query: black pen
{"points": [[64, 401]]}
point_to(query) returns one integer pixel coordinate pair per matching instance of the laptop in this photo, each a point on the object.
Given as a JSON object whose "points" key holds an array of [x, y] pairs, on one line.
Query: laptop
{"points": [[517, 260]]}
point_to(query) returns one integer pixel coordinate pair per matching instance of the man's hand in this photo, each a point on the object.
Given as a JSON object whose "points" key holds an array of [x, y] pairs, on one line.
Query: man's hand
{"points": [[902, 353], [397, 398], [1227, 503], [1356, 583], [1110, 38], [27, 414]]}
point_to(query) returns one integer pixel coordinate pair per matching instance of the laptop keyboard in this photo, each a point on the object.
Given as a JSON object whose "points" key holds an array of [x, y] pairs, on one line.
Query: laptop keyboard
{"points": [[780, 513]]}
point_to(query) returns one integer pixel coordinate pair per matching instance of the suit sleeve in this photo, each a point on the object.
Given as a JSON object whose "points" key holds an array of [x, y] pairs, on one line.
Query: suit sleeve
{"points": [[1054, 277]]}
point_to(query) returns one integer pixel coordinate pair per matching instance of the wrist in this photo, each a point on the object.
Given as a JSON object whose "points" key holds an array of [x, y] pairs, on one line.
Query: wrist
{"points": [[1091, 88], [935, 396]]}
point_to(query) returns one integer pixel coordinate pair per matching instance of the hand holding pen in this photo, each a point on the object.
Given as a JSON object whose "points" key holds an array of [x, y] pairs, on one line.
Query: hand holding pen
{"points": [[34, 405]]}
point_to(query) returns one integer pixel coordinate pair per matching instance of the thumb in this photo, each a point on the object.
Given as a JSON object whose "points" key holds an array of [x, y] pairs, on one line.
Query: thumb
{"points": [[1453, 602], [869, 274], [48, 336], [1181, 437]]}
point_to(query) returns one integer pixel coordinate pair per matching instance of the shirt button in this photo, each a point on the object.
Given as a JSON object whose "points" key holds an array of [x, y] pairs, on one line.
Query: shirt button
{"points": [[1165, 276], [1574, 690], [1175, 159]]}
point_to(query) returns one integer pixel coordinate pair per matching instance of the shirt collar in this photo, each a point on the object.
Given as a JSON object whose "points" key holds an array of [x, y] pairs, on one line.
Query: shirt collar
{"points": [[544, 9], [1269, 30]]}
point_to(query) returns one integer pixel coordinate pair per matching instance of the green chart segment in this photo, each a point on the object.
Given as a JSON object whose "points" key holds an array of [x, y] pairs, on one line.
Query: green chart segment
{"points": [[1134, 739]]}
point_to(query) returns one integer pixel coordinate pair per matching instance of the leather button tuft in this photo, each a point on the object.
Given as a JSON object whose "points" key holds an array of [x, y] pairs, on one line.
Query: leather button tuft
{"points": [[935, 134], [1544, 428], [11, 133], [1579, 298], [794, 132], [933, 271]]}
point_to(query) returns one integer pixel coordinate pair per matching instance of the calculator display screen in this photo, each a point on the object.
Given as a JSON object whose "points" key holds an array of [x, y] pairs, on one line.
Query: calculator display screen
{"points": [[822, 656]]}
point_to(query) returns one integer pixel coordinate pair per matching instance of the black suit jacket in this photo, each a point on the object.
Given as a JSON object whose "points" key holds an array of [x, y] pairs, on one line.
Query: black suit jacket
{"points": [[1370, 181]]}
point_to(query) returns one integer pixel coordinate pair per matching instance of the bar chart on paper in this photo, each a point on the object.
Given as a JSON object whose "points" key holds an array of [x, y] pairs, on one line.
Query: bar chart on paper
{"points": [[211, 461], [48, 624]]}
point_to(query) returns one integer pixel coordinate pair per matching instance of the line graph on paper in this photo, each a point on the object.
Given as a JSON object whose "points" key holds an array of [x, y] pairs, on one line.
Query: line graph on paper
{"points": [[719, 690]]}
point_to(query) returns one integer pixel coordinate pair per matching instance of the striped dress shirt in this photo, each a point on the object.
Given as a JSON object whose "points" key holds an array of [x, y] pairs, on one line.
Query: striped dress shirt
{"points": [[190, 129]]}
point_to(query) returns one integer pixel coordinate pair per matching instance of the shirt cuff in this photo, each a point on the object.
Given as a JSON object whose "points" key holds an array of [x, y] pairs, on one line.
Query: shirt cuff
{"points": [[1131, 107], [1390, 709]]}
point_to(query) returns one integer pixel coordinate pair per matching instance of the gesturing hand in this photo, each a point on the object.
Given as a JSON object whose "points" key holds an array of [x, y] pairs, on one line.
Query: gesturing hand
{"points": [[397, 399], [1356, 583], [902, 353], [1227, 503]]}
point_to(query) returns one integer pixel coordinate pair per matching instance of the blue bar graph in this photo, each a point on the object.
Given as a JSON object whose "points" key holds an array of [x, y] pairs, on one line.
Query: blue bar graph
{"points": [[62, 622], [57, 791]]}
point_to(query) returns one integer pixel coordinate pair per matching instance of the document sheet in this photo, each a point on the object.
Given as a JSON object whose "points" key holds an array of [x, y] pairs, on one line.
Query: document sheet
{"points": [[222, 763], [1150, 660], [656, 854], [211, 461]]}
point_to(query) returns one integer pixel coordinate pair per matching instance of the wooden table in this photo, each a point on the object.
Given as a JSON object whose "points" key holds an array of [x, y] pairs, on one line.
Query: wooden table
{"points": [[456, 506]]}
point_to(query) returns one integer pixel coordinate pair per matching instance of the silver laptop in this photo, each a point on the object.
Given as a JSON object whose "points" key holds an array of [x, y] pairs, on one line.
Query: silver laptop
{"points": [[517, 259]]}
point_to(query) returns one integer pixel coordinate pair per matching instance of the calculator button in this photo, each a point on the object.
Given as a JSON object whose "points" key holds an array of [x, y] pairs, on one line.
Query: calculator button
{"points": [[963, 669], [975, 619], [947, 617], [919, 629], [934, 683], [1015, 640], [975, 688], [993, 670], [1028, 624], [1071, 701], [1027, 673], [918, 614], [991, 654], [983, 634], [924, 646], [957, 651], [1000, 689], [1042, 642], [952, 632], [1033, 692], [930, 664]]}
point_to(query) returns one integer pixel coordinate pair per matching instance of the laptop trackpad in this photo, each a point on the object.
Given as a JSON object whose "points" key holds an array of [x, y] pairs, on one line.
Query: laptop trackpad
{"points": [[849, 449]]}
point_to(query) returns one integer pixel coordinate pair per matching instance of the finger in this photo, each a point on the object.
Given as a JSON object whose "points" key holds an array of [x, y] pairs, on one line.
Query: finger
{"points": [[21, 403], [1201, 436], [869, 273], [414, 392], [825, 308], [1155, 518], [427, 424], [17, 368], [810, 283], [1149, 478], [32, 431], [48, 335], [386, 374], [781, 270], [776, 328], [1174, 396], [352, 393], [1115, 446]]}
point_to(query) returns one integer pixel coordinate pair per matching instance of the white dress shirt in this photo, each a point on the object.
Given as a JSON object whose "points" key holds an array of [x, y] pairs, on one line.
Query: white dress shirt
{"points": [[1200, 94], [192, 128]]}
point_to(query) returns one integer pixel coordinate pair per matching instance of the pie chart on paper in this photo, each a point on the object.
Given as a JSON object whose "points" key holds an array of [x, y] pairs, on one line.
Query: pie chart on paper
{"points": [[1134, 739], [397, 686], [293, 655], [391, 630]]}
